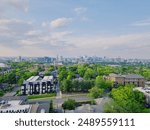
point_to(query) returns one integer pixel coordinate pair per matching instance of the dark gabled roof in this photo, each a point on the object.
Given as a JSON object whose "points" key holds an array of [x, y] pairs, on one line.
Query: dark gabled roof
{"points": [[116, 75], [129, 76], [134, 76]]}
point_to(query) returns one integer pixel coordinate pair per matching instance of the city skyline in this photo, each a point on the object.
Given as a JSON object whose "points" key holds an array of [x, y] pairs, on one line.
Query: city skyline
{"points": [[74, 28]]}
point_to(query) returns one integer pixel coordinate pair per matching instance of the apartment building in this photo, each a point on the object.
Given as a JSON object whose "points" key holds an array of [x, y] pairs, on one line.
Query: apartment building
{"points": [[134, 79], [38, 85]]}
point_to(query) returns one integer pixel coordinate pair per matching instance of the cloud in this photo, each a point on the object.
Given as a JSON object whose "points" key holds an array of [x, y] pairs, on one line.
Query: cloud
{"points": [[13, 30], [142, 23], [27, 43], [81, 14], [5, 22], [80, 10], [58, 35], [20, 37], [16, 4], [112, 46], [109, 41], [18, 33], [14, 27], [67, 44], [60, 22], [33, 33]]}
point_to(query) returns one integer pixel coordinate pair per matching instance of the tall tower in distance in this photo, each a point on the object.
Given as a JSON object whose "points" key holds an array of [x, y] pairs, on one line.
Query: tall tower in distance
{"points": [[56, 62]]}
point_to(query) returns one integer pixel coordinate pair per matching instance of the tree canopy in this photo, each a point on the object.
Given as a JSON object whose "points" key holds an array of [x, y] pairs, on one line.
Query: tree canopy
{"points": [[126, 100]]}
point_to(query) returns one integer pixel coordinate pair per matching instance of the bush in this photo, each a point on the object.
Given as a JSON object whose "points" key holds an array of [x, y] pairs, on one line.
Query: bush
{"points": [[92, 102], [95, 92], [42, 96], [69, 104]]}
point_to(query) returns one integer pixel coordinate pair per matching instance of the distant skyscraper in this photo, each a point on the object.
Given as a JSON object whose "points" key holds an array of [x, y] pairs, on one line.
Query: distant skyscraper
{"points": [[20, 59]]}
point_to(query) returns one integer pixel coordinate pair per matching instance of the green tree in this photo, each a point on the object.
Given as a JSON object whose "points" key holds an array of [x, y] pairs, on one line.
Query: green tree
{"points": [[70, 75], [89, 74], [62, 75], [66, 85], [85, 85], [1, 93], [95, 92], [127, 100], [75, 85], [81, 70], [51, 68], [102, 83], [20, 81], [51, 109], [70, 104]]}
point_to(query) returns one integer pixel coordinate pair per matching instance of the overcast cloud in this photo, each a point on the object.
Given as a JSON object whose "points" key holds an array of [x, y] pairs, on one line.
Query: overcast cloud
{"points": [[46, 28]]}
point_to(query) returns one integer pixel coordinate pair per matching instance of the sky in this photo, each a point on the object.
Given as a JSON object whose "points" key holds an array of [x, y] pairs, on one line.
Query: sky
{"points": [[111, 28]]}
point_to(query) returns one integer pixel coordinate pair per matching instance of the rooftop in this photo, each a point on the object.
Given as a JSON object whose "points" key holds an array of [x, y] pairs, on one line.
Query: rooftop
{"points": [[13, 105], [47, 78], [38, 78], [130, 76], [33, 78], [145, 90], [9, 98]]}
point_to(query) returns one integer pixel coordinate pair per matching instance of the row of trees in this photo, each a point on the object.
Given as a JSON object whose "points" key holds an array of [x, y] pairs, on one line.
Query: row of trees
{"points": [[91, 71], [16, 76], [76, 85], [85, 71], [85, 78], [96, 87]]}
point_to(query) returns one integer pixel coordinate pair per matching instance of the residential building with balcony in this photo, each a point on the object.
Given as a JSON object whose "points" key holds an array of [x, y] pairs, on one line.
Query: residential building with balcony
{"points": [[38, 85]]}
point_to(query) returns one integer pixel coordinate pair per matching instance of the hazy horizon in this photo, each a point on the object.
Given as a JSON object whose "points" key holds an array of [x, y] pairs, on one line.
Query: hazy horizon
{"points": [[73, 28]]}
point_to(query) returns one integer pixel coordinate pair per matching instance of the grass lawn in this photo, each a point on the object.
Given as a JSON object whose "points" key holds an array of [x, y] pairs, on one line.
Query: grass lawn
{"points": [[42, 96], [64, 95]]}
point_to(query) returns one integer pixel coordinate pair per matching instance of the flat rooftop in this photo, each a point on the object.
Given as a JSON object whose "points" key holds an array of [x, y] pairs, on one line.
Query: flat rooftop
{"points": [[47, 78], [39, 79], [14, 105], [33, 78]]}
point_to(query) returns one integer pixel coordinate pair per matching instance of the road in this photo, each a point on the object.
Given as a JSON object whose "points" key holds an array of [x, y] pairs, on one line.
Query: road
{"points": [[60, 101], [59, 94]]}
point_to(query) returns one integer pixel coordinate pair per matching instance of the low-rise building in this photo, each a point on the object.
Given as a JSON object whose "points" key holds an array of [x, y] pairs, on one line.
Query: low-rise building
{"points": [[38, 85], [134, 79], [19, 104], [14, 104], [146, 92]]}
